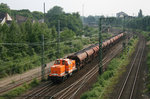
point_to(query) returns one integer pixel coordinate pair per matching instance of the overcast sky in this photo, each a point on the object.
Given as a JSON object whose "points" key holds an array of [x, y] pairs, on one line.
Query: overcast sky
{"points": [[91, 7]]}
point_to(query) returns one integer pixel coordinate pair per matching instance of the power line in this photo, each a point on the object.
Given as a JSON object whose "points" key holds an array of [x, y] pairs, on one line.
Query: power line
{"points": [[34, 44], [46, 54], [31, 61], [20, 44]]}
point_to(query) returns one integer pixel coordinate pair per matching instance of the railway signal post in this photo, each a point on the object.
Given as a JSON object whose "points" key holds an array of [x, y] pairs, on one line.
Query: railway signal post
{"points": [[100, 46], [42, 46], [42, 60]]}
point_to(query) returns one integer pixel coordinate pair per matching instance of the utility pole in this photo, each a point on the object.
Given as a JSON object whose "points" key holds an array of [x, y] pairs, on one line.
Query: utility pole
{"points": [[42, 60], [58, 40], [83, 14], [83, 17], [124, 42], [100, 46], [124, 24], [44, 12]]}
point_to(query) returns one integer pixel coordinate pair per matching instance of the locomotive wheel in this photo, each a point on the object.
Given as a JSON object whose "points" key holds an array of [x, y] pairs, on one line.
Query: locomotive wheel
{"points": [[48, 78], [70, 74]]}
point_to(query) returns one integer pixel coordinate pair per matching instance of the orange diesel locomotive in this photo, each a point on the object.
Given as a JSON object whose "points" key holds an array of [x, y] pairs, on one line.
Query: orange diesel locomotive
{"points": [[63, 68]]}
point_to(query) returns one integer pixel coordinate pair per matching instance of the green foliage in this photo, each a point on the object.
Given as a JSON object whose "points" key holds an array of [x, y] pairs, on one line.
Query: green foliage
{"points": [[88, 31], [67, 35], [4, 8], [77, 45], [70, 21], [37, 15], [25, 13], [146, 35], [148, 65], [106, 36], [34, 83], [56, 10], [139, 23], [94, 21]]}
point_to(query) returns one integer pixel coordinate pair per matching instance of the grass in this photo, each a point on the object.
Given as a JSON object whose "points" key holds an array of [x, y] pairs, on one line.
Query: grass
{"points": [[20, 90], [147, 90], [109, 78], [146, 34]]}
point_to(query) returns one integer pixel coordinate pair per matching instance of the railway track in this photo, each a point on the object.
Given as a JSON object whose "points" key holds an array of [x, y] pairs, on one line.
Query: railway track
{"points": [[20, 82], [71, 91], [128, 86], [62, 91]]}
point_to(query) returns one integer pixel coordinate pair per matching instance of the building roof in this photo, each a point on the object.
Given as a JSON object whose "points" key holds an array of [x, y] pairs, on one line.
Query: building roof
{"points": [[5, 18], [8, 18], [41, 21], [121, 14], [20, 19]]}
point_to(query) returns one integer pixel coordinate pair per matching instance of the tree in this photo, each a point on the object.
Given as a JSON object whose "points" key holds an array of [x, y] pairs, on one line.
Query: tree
{"points": [[28, 30], [4, 8], [54, 32], [37, 15], [67, 35], [3, 31], [67, 20], [25, 13], [90, 19], [140, 15], [56, 10]]}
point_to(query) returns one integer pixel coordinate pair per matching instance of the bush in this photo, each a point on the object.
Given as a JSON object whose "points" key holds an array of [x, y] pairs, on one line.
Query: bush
{"points": [[34, 83], [108, 74], [148, 75], [18, 65]]}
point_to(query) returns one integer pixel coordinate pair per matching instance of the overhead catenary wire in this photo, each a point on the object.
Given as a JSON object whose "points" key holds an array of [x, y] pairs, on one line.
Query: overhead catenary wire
{"points": [[46, 54], [20, 44], [35, 44]]}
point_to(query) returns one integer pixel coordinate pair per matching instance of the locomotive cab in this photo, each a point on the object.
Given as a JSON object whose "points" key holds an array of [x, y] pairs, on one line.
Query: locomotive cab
{"points": [[61, 69]]}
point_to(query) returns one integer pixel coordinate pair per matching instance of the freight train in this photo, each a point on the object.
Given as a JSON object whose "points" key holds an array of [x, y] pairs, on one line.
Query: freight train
{"points": [[63, 68]]}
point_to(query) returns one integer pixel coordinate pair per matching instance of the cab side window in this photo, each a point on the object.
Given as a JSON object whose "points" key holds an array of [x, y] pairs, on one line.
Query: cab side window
{"points": [[63, 62], [66, 64]]}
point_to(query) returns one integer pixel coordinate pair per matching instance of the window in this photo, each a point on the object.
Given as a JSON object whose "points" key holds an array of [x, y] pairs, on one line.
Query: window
{"points": [[69, 62], [63, 62], [57, 62]]}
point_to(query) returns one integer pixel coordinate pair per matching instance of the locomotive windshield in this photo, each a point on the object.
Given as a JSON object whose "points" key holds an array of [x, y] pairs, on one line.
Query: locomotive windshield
{"points": [[57, 62]]}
